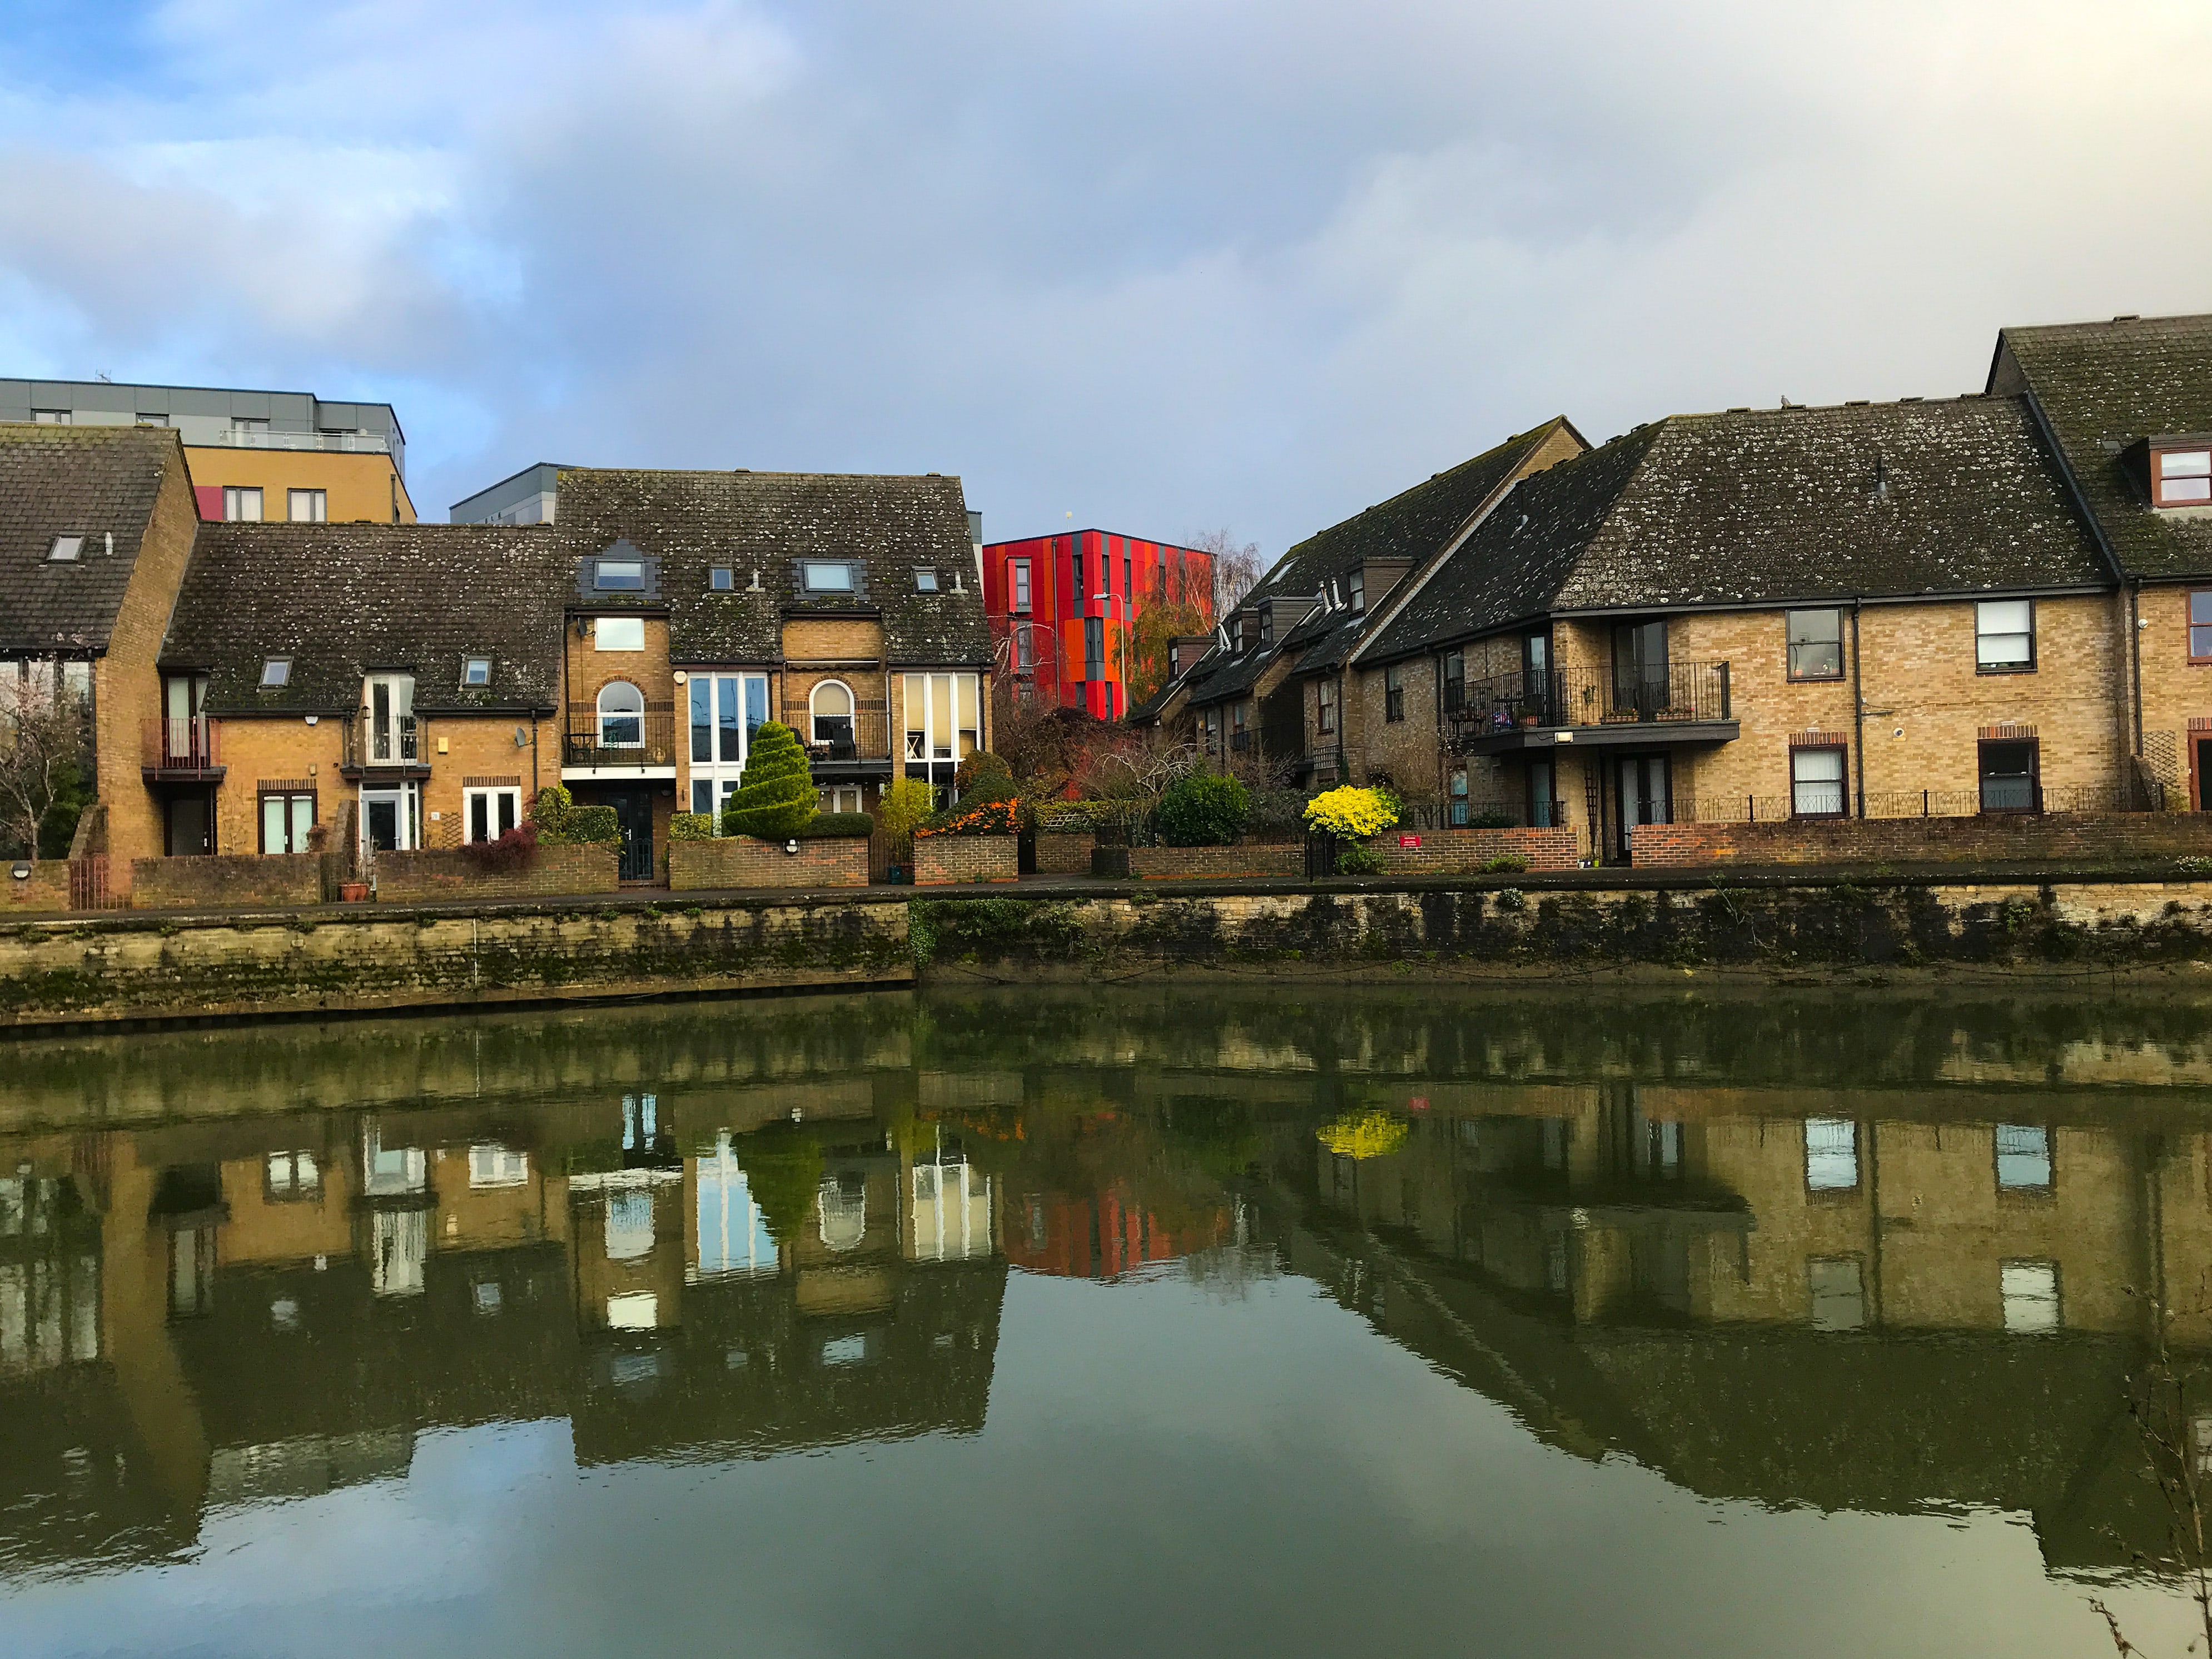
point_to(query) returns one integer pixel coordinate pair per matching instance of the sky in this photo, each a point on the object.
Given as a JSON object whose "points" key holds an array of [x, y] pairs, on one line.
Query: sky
{"points": [[1162, 266]]}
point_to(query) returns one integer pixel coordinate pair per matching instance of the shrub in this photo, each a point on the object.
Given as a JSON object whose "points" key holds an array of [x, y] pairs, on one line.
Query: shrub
{"points": [[906, 806], [829, 826], [1206, 809], [1354, 814], [1505, 864], [550, 813], [775, 800], [691, 826], [515, 850], [561, 823], [592, 825], [983, 776], [2194, 864], [1512, 898], [993, 818], [1494, 821], [1278, 812], [1358, 860]]}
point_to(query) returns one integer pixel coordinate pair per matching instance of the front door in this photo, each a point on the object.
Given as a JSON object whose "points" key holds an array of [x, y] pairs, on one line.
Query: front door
{"points": [[1646, 794], [189, 824], [2200, 754], [634, 813], [387, 820]]}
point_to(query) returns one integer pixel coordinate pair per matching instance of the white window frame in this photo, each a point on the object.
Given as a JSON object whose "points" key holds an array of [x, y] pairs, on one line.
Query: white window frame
{"points": [[491, 795], [1991, 625], [468, 671], [925, 752], [634, 582], [603, 712], [618, 634], [316, 502], [717, 775], [492, 1165], [2182, 477], [241, 503], [814, 710]]}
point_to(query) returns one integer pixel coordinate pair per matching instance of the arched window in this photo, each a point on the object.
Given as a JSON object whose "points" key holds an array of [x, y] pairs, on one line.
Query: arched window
{"points": [[841, 1206], [621, 716], [830, 708]]}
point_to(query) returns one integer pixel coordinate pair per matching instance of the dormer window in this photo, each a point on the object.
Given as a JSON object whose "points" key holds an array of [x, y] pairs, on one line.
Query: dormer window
{"points": [[720, 579], [275, 673], [823, 576], [477, 670], [925, 582], [1357, 582], [2181, 477], [619, 576], [65, 550], [1268, 626]]}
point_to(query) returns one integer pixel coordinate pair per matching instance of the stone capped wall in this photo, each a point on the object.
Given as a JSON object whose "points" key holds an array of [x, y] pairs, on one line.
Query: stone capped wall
{"points": [[737, 861], [227, 881], [427, 877], [1191, 863], [2075, 841]]}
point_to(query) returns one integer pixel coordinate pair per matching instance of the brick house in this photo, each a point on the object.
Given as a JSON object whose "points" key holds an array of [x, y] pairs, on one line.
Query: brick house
{"points": [[1271, 689], [96, 528], [700, 604], [2126, 405], [1862, 611], [401, 680]]}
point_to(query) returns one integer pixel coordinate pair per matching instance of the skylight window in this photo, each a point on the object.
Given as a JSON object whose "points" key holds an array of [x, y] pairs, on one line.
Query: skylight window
{"points": [[925, 582], [477, 670], [619, 576], [65, 549], [720, 579], [823, 577], [275, 672]]}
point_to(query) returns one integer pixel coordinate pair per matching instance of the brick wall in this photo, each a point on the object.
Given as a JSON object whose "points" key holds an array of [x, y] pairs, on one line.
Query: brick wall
{"points": [[742, 861], [1063, 854], [221, 880], [1186, 863], [2177, 693], [844, 642], [47, 889], [2070, 839], [287, 751], [939, 860], [416, 877], [1464, 852]]}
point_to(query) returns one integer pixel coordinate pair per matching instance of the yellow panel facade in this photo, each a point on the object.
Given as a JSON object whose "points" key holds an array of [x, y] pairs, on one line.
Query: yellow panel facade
{"points": [[357, 487]]}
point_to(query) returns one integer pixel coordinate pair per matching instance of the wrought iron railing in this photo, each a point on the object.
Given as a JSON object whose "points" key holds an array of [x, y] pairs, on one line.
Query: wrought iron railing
{"points": [[394, 740], [612, 740], [1678, 693]]}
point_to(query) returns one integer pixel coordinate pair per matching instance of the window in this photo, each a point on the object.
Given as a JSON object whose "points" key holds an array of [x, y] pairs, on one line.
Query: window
{"points": [[823, 577], [1838, 1292], [1816, 645], [241, 505], [621, 716], [2004, 636], [287, 816], [289, 1176], [1546, 810], [497, 1166], [1024, 646], [830, 709], [276, 671], [1238, 737], [838, 797], [1394, 694], [2200, 627], [1356, 589], [146, 417], [2184, 478], [1457, 815], [925, 582], [306, 506], [1325, 706], [1021, 576], [1455, 682], [1094, 647], [619, 576], [65, 549], [2009, 778], [1266, 625], [491, 811], [938, 717], [477, 670], [618, 634], [720, 579], [2029, 1291], [1832, 1154], [50, 417], [1075, 568], [1129, 582], [2023, 1158], [1816, 783]]}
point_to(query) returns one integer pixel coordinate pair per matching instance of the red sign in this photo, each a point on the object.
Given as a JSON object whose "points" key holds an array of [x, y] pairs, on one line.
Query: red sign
{"points": [[1409, 840]]}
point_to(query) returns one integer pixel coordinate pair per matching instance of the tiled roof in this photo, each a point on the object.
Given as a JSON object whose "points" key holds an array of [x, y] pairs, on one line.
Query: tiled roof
{"points": [[1768, 506], [89, 481], [342, 599], [769, 524], [2104, 386]]}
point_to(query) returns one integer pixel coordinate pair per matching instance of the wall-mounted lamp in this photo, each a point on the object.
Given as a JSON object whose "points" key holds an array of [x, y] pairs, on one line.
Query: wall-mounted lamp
{"points": [[23, 871], [313, 719], [792, 848]]}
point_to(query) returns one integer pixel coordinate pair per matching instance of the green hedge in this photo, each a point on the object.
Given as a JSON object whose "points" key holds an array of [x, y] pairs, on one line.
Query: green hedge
{"points": [[560, 822], [827, 825], [592, 824], [691, 826]]}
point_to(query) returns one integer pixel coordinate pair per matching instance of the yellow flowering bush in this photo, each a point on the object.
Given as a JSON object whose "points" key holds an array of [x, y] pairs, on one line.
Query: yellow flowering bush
{"points": [[1353, 814], [1364, 1134]]}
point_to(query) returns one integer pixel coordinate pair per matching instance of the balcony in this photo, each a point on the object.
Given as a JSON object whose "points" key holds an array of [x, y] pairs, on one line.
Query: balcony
{"points": [[397, 746], [339, 443], [620, 745], [186, 750], [1683, 702]]}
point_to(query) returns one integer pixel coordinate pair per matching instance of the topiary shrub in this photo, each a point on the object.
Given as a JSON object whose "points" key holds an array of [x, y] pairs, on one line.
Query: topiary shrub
{"points": [[1206, 809], [775, 800], [550, 813], [691, 826], [829, 826]]}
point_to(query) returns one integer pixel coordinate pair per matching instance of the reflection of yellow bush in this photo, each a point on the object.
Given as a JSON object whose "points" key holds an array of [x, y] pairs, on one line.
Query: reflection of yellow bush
{"points": [[1354, 814], [1364, 1134]]}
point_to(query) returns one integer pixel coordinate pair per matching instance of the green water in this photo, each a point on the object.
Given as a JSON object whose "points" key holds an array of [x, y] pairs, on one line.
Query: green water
{"points": [[1160, 1320]]}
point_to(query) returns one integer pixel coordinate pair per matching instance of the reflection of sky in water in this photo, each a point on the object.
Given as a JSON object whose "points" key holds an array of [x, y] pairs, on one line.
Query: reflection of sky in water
{"points": [[1163, 1470]]}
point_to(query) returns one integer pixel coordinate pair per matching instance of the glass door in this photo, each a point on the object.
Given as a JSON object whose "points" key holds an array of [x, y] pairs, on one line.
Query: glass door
{"points": [[726, 709], [1639, 668], [1645, 792]]}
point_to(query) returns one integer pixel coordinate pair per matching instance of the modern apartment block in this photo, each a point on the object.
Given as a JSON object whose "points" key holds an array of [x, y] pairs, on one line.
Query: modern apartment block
{"points": [[529, 496], [1062, 609], [254, 456]]}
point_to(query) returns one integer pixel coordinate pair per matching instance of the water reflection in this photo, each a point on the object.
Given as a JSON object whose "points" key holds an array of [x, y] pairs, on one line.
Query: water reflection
{"points": [[1883, 1258]]}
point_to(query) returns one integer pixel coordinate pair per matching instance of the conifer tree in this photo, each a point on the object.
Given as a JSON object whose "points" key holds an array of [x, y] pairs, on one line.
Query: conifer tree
{"points": [[775, 797]]}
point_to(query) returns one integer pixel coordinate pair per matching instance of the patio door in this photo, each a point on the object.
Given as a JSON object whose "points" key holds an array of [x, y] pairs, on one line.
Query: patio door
{"points": [[1639, 668], [1645, 792], [388, 820]]}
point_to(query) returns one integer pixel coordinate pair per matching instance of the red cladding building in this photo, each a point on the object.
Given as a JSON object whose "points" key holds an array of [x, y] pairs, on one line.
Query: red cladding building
{"points": [[1061, 607]]}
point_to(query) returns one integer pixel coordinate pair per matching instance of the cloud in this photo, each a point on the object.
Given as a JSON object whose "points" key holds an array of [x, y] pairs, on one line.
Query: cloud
{"points": [[1159, 266]]}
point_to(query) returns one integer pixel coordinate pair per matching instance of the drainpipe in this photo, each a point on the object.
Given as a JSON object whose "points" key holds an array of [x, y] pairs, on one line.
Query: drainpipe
{"points": [[1858, 710], [2135, 663]]}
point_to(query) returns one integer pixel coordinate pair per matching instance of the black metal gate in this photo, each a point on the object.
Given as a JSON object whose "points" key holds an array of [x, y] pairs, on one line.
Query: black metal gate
{"points": [[1320, 853]]}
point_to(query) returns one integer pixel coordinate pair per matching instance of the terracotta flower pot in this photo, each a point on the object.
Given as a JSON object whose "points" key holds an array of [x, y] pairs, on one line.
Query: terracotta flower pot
{"points": [[352, 892]]}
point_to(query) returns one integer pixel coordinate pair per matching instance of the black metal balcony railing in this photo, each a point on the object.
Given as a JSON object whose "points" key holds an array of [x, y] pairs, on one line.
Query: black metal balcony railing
{"points": [[611, 740], [394, 740], [1678, 693]]}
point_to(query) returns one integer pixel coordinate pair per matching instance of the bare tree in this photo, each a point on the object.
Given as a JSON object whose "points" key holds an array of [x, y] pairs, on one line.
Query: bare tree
{"points": [[42, 754], [1236, 568]]}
